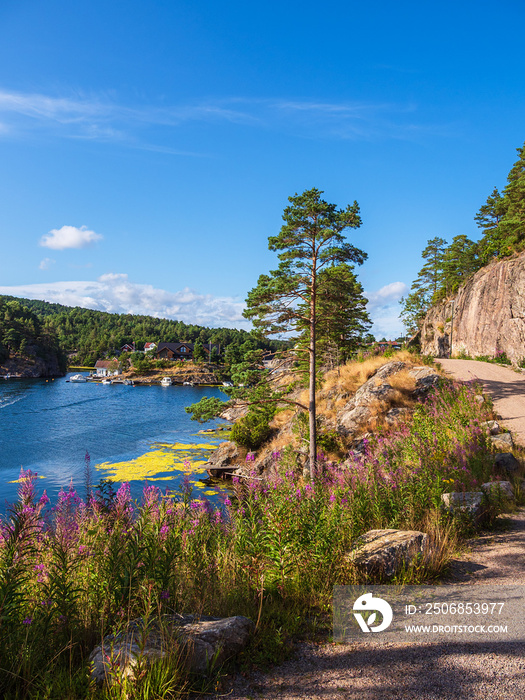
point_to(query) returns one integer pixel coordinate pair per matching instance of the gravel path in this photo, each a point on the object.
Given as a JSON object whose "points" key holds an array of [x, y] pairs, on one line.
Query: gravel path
{"points": [[506, 387], [455, 670]]}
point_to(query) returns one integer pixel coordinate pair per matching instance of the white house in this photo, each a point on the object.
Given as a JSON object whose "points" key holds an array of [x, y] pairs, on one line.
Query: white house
{"points": [[107, 368]]}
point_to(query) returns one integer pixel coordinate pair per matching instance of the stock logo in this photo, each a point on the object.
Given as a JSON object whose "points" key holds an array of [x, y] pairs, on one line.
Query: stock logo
{"points": [[367, 602]]}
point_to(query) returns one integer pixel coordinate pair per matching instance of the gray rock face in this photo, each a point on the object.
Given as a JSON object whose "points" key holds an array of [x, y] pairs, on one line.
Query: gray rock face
{"points": [[201, 640], [506, 462], [384, 553], [488, 315], [358, 410], [503, 441], [470, 503], [499, 489]]}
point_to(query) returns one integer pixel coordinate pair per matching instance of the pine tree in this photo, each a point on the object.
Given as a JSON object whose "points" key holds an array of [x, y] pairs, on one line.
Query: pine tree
{"points": [[460, 261], [287, 300]]}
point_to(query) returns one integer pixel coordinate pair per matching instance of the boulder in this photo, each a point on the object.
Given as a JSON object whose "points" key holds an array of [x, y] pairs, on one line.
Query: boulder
{"points": [[479, 398], [503, 441], [426, 378], [499, 489], [506, 462], [384, 553], [357, 411], [471, 503], [491, 426], [202, 641]]}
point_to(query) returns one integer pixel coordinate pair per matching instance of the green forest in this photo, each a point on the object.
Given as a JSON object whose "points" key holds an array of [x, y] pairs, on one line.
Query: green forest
{"points": [[85, 335], [501, 220]]}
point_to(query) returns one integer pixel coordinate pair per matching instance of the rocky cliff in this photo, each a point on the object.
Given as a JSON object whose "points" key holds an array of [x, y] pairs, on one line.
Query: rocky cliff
{"points": [[486, 317], [36, 362]]}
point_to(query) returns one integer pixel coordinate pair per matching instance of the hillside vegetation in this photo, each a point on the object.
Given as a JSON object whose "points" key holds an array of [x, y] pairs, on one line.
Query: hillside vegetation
{"points": [[29, 346], [90, 335]]}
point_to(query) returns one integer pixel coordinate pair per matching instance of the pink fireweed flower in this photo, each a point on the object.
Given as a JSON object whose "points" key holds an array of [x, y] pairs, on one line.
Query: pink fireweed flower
{"points": [[250, 457]]}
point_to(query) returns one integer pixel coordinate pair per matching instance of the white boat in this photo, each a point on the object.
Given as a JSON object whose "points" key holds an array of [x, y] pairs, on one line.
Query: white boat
{"points": [[78, 378], [128, 382], [106, 381], [227, 383], [187, 383], [166, 381]]}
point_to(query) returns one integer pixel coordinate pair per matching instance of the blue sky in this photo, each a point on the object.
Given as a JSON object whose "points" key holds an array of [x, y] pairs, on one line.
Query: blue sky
{"points": [[148, 148]]}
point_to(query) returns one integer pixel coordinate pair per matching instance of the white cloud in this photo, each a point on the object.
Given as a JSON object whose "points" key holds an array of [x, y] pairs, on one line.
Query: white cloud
{"points": [[386, 295], [114, 292], [46, 263], [69, 237], [383, 306]]}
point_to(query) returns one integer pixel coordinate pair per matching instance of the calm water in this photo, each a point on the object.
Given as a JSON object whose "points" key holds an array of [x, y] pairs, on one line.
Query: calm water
{"points": [[130, 433]]}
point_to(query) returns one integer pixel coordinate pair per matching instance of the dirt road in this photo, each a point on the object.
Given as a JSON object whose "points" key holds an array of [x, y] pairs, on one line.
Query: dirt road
{"points": [[506, 387]]}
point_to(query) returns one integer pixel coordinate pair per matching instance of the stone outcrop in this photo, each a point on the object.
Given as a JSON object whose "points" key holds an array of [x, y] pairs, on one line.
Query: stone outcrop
{"points": [[470, 503], [384, 553], [426, 379], [359, 408], [202, 642], [506, 462], [228, 454], [33, 365], [499, 489], [487, 315], [502, 441]]}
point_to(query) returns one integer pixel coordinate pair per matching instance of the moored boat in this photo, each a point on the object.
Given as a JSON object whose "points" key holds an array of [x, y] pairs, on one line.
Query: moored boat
{"points": [[166, 381], [78, 379]]}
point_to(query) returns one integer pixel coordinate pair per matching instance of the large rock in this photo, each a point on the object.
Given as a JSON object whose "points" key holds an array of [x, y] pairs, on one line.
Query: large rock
{"points": [[470, 503], [357, 411], [506, 462], [487, 315], [502, 441], [202, 641], [491, 426], [426, 379], [384, 553], [499, 489]]}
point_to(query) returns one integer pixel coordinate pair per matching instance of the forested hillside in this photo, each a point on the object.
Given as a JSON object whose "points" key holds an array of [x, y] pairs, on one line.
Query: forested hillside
{"points": [[26, 340], [93, 334], [448, 266]]}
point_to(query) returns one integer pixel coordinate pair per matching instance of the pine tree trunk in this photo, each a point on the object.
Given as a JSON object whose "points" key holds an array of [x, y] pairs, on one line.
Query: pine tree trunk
{"points": [[311, 402]]}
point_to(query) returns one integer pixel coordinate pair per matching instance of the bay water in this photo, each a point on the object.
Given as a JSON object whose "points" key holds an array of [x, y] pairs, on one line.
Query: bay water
{"points": [[131, 433]]}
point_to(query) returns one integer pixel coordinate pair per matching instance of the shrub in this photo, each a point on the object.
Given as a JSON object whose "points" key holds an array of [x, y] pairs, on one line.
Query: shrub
{"points": [[252, 430]]}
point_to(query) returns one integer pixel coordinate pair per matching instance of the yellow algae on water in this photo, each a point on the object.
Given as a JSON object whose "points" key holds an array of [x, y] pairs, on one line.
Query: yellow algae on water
{"points": [[21, 481], [159, 462]]}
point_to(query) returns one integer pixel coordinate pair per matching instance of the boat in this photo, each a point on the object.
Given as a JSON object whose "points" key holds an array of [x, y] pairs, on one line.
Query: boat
{"points": [[106, 381], [166, 381], [227, 383], [128, 382], [78, 379], [187, 384]]}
